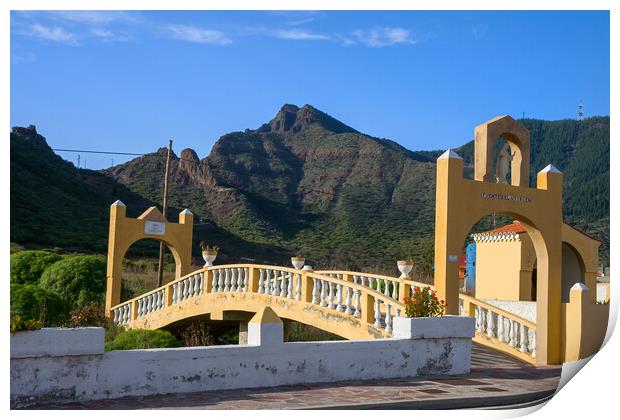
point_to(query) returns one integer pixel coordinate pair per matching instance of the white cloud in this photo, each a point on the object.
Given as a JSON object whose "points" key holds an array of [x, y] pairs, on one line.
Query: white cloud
{"points": [[91, 17], [300, 35], [383, 37], [198, 35], [479, 31], [49, 33], [108, 35]]}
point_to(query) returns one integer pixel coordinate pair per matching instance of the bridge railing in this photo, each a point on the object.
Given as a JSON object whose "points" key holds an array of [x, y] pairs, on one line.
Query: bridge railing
{"points": [[495, 327], [372, 299]]}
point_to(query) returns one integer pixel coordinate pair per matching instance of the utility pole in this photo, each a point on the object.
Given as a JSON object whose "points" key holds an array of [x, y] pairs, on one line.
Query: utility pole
{"points": [[160, 270]]}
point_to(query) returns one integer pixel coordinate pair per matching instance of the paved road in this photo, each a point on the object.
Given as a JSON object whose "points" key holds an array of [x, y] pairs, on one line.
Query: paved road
{"points": [[495, 380]]}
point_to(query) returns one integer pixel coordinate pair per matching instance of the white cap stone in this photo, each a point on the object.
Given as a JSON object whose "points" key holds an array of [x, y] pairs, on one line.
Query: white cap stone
{"points": [[550, 168], [449, 154], [580, 286], [119, 203], [186, 211]]}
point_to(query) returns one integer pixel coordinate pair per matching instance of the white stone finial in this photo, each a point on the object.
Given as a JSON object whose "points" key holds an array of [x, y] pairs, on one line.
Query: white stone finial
{"points": [[449, 154], [186, 211], [119, 203], [580, 286], [550, 168]]}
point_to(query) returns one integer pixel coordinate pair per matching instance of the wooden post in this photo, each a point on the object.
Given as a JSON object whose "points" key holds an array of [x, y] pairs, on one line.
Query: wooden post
{"points": [[160, 269]]}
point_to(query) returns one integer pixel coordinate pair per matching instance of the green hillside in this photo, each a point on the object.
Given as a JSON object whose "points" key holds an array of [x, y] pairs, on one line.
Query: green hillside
{"points": [[304, 183]]}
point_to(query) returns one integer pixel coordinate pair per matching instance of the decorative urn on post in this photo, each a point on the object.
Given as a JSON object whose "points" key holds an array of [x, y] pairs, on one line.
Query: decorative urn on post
{"points": [[405, 267], [209, 253], [298, 262]]}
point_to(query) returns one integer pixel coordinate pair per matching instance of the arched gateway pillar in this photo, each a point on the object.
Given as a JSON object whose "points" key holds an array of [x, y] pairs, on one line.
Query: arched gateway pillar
{"points": [[124, 231], [461, 202]]}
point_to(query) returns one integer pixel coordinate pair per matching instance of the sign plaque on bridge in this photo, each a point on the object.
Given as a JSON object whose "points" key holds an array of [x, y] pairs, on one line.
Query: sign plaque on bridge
{"points": [[154, 228]]}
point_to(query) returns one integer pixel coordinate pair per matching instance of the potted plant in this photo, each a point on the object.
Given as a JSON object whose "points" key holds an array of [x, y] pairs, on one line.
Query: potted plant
{"points": [[405, 267], [424, 318], [209, 253], [298, 262]]}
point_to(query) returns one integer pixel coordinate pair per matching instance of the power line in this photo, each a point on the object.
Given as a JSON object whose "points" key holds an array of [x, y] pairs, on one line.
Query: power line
{"points": [[152, 154], [100, 152]]}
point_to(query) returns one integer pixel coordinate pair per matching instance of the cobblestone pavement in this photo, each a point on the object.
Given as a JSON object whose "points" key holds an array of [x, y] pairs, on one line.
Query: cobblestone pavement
{"points": [[495, 379]]}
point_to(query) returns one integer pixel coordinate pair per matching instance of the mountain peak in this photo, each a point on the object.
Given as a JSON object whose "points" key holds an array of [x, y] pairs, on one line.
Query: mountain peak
{"points": [[291, 119], [30, 134]]}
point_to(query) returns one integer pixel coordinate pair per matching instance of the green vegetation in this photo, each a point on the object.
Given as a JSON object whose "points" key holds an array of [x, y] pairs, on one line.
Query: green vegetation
{"points": [[296, 331], [32, 302], [142, 339], [78, 279], [27, 266], [20, 324]]}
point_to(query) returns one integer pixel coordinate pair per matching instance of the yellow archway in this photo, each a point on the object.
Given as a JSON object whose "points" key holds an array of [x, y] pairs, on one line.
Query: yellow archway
{"points": [[124, 231], [461, 202]]}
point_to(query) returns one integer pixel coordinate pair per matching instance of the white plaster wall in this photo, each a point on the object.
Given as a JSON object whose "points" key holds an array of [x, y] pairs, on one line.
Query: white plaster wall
{"points": [[524, 309], [601, 291], [159, 371]]}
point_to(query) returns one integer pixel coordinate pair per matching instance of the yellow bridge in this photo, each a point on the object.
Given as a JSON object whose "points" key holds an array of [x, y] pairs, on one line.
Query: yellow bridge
{"points": [[349, 304]]}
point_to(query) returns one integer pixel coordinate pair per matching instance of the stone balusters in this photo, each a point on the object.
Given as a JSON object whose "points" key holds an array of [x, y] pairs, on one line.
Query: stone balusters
{"points": [[323, 293], [122, 314]]}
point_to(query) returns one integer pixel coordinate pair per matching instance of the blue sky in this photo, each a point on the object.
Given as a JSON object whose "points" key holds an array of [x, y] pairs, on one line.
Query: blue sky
{"points": [[128, 81]]}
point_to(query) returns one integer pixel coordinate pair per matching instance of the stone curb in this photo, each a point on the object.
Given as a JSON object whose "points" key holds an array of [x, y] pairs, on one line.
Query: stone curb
{"points": [[483, 402]]}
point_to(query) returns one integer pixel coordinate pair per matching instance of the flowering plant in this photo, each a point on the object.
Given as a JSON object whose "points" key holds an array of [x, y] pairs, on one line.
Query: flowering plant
{"points": [[423, 302], [209, 249]]}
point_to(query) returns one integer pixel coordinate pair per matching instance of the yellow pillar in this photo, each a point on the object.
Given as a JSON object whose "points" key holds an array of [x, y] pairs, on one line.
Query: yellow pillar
{"points": [[115, 253], [547, 240], [447, 239]]}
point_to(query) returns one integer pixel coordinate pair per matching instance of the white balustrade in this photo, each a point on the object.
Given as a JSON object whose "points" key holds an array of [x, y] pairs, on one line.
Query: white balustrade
{"points": [[298, 287], [388, 318], [377, 313], [522, 339], [339, 307], [323, 293], [289, 293], [331, 296], [275, 290], [358, 303], [349, 302], [283, 286], [490, 324], [261, 280], [315, 291]]}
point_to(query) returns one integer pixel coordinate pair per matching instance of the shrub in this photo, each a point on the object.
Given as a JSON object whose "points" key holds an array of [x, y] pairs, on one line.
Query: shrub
{"points": [[197, 333], [31, 302], [80, 279], [27, 266], [423, 302], [20, 324], [90, 315], [142, 339]]}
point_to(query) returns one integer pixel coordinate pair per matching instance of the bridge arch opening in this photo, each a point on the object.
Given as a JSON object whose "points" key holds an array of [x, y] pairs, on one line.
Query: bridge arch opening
{"points": [[140, 267], [505, 258]]}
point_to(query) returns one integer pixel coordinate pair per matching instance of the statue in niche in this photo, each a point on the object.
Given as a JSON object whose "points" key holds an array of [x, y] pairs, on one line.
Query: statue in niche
{"points": [[502, 166]]}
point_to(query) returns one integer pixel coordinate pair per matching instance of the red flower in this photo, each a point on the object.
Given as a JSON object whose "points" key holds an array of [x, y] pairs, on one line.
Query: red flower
{"points": [[405, 299], [441, 301], [416, 289]]}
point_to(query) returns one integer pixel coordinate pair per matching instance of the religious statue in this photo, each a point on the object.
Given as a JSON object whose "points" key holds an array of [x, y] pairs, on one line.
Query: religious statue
{"points": [[502, 167]]}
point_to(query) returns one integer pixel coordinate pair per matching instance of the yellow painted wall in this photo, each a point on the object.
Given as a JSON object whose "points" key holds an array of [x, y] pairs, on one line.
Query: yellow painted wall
{"points": [[584, 325], [498, 270]]}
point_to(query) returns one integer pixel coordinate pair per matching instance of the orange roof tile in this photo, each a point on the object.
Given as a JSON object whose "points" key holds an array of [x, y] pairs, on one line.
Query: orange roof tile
{"points": [[514, 227]]}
